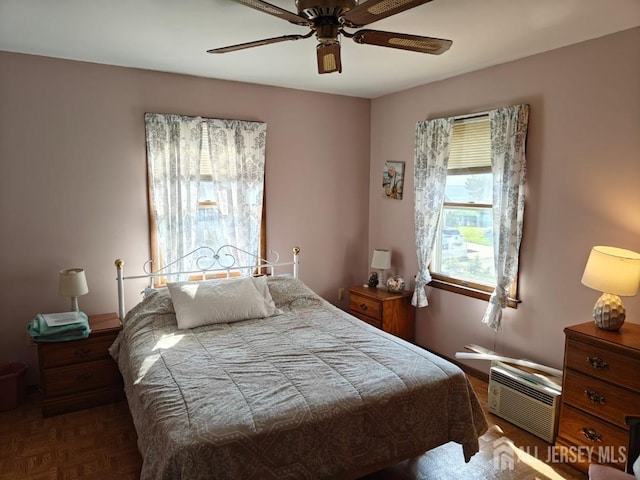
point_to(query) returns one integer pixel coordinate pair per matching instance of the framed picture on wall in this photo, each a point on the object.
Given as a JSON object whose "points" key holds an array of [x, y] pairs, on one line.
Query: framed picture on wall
{"points": [[393, 180]]}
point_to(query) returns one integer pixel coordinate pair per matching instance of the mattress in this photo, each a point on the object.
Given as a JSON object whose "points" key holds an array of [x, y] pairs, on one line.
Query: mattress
{"points": [[308, 393]]}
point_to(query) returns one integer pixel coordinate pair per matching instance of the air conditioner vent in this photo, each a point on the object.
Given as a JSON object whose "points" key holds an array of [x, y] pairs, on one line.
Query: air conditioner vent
{"points": [[521, 387], [524, 403]]}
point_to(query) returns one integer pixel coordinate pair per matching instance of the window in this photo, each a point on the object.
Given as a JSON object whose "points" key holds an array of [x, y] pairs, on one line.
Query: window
{"points": [[463, 257], [452, 206], [206, 187]]}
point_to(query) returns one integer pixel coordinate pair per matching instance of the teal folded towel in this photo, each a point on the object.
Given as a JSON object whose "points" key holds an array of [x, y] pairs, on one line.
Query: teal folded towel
{"points": [[41, 332]]}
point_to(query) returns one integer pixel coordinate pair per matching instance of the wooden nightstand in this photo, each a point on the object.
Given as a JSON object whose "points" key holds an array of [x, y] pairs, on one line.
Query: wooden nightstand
{"points": [[601, 384], [391, 312], [80, 374]]}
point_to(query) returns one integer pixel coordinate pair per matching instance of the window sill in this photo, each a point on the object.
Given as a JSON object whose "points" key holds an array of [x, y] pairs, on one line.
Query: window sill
{"points": [[468, 291]]}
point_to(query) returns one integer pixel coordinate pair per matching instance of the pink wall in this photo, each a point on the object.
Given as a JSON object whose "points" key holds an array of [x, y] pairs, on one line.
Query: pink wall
{"points": [[72, 182], [583, 187], [73, 179]]}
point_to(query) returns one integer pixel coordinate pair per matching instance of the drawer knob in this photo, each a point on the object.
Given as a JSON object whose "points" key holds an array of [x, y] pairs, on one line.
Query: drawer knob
{"points": [[591, 434], [84, 377], [595, 397], [80, 352], [597, 363], [363, 306]]}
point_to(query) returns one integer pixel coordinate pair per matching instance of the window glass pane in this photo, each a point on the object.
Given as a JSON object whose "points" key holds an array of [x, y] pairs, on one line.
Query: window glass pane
{"points": [[465, 245], [208, 232], [476, 188], [205, 190]]}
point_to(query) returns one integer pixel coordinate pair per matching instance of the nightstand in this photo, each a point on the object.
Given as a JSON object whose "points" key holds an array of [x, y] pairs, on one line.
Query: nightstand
{"points": [[601, 384], [80, 374], [391, 312]]}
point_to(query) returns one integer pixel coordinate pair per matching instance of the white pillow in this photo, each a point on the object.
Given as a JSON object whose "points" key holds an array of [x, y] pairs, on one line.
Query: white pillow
{"points": [[210, 302]]}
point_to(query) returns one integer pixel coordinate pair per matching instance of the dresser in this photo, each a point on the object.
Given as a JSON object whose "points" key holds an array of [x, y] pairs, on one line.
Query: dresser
{"points": [[391, 312], [80, 374], [601, 384]]}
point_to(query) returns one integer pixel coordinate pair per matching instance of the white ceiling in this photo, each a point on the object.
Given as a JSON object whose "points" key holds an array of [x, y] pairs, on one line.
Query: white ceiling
{"points": [[173, 36]]}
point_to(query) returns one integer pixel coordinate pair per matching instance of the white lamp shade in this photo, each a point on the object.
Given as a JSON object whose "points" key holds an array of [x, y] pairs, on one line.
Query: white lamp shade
{"points": [[613, 270], [72, 283], [381, 259]]}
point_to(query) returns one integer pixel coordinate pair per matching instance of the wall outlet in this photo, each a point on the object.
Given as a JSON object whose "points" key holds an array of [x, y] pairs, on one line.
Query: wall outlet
{"points": [[341, 294]]}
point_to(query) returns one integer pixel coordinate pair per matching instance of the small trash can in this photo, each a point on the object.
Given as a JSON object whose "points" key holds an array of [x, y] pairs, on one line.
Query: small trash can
{"points": [[13, 386]]}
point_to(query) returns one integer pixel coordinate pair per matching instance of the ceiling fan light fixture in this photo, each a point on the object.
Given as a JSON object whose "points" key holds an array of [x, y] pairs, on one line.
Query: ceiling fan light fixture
{"points": [[327, 19], [329, 58]]}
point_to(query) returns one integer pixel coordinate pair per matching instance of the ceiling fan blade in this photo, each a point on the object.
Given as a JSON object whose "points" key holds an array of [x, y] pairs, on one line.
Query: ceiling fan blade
{"points": [[275, 11], [374, 10], [403, 41], [257, 43], [329, 58]]}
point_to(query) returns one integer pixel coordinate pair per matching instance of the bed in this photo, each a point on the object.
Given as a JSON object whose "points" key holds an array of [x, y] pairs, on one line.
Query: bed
{"points": [[308, 392]]}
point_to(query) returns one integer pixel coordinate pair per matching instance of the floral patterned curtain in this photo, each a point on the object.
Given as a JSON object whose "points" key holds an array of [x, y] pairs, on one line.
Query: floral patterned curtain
{"points": [[237, 151], [508, 164], [173, 156], [433, 138], [236, 160]]}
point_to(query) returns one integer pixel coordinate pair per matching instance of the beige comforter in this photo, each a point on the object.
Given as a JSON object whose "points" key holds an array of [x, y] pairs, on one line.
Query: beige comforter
{"points": [[311, 393]]}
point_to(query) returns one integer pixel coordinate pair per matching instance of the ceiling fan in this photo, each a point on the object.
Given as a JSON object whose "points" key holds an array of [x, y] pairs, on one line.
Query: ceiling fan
{"points": [[328, 19]]}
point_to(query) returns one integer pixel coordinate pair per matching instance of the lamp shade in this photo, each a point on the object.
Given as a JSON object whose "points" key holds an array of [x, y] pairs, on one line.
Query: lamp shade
{"points": [[72, 283], [613, 270], [381, 259]]}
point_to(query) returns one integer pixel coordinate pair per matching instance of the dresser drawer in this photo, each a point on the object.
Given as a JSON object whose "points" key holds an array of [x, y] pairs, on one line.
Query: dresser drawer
{"points": [[371, 321], [600, 398], [605, 364], [67, 353], [77, 378], [583, 430], [365, 306]]}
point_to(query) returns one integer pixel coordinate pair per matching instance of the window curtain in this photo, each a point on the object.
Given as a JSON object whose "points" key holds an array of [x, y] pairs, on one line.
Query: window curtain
{"points": [[508, 164], [173, 156], [237, 150], [433, 139]]}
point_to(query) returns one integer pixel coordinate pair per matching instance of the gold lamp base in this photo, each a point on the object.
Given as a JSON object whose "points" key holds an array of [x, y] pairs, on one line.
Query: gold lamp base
{"points": [[608, 312]]}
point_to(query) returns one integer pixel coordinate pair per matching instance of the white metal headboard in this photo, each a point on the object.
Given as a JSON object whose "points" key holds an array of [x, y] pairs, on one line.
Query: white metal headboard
{"points": [[207, 261]]}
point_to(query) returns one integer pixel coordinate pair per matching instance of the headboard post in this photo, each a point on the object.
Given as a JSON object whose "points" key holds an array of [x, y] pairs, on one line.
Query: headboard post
{"points": [[119, 264], [296, 252]]}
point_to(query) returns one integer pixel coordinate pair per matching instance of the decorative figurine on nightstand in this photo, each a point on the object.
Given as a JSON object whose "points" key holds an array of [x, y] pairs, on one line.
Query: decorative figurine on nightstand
{"points": [[373, 280], [395, 283]]}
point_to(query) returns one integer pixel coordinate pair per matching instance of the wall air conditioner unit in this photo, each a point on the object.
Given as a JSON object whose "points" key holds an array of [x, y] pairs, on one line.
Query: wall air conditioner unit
{"points": [[529, 401]]}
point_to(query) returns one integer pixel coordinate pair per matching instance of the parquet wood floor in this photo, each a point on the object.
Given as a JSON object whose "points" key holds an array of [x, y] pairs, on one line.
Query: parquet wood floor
{"points": [[100, 444]]}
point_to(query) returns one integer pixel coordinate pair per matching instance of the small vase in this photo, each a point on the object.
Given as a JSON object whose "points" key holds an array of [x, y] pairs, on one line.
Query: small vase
{"points": [[395, 283]]}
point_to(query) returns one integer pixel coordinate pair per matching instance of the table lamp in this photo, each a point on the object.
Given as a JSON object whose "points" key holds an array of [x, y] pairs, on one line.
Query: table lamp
{"points": [[73, 283], [615, 272], [381, 261]]}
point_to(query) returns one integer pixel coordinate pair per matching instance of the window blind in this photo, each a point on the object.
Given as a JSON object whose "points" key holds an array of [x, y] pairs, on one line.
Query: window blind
{"points": [[470, 143]]}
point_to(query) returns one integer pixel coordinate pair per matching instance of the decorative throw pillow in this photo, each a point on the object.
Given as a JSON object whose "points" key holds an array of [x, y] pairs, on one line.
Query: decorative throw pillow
{"points": [[210, 302]]}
